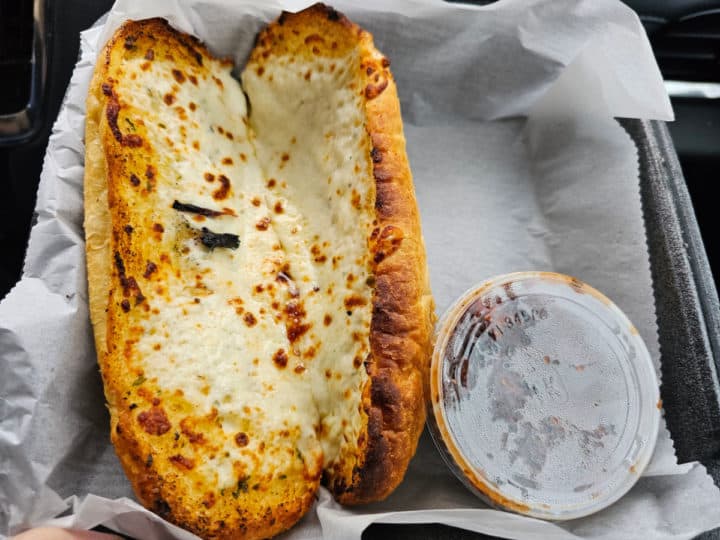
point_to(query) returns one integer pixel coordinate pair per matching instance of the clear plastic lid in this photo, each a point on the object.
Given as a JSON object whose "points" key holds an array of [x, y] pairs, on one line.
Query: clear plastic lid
{"points": [[544, 399]]}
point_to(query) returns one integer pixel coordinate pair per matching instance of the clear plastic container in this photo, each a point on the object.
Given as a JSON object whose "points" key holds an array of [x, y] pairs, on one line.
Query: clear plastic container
{"points": [[543, 398]]}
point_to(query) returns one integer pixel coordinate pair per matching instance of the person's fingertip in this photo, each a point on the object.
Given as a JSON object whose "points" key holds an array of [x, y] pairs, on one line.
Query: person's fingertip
{"points": [[54, 533]]}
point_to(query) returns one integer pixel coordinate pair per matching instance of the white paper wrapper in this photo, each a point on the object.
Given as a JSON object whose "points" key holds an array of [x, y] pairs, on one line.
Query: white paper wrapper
{"points": [[518, 165]]}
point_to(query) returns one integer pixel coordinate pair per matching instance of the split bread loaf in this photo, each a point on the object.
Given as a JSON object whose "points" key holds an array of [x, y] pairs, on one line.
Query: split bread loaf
{"points": [[257, 277]]}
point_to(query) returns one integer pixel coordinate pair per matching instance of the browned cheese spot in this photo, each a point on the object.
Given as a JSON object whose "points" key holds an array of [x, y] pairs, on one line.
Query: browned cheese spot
{"points": [[295, 327], [318, 256], [263, 224], [169, 99], [178, 75], [209, 177], [327, 320], [237, 304], [187, 429], [182, 462], [223, 190], [374, 90], [314, 38], [150, 269], [208, 500], [353, 301], [249, 319], [280, 358], [154, 421], [112, 112], [241, 439]]}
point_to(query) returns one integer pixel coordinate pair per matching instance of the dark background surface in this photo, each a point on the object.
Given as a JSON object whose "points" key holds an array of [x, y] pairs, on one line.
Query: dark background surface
{"points": [[685, 35]]}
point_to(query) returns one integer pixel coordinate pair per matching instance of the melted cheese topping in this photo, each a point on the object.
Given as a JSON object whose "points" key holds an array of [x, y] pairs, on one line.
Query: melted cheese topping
{"points": [[266, 342], [311, 138]]}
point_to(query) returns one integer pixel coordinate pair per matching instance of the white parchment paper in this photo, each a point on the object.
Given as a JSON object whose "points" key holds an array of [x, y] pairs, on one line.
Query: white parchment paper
{"points": [[518, 165]]}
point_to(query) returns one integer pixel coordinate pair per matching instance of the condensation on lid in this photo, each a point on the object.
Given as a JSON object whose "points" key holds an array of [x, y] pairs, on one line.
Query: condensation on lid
{"points": [[543, 397]]}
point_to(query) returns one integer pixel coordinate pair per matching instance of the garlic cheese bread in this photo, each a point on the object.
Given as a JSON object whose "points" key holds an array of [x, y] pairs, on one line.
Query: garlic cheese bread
{"points": [[256, 269]]}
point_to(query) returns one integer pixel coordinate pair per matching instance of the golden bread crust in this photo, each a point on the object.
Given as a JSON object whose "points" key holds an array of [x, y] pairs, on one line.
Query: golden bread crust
{"points": [[403, 308], [165, 480]]}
